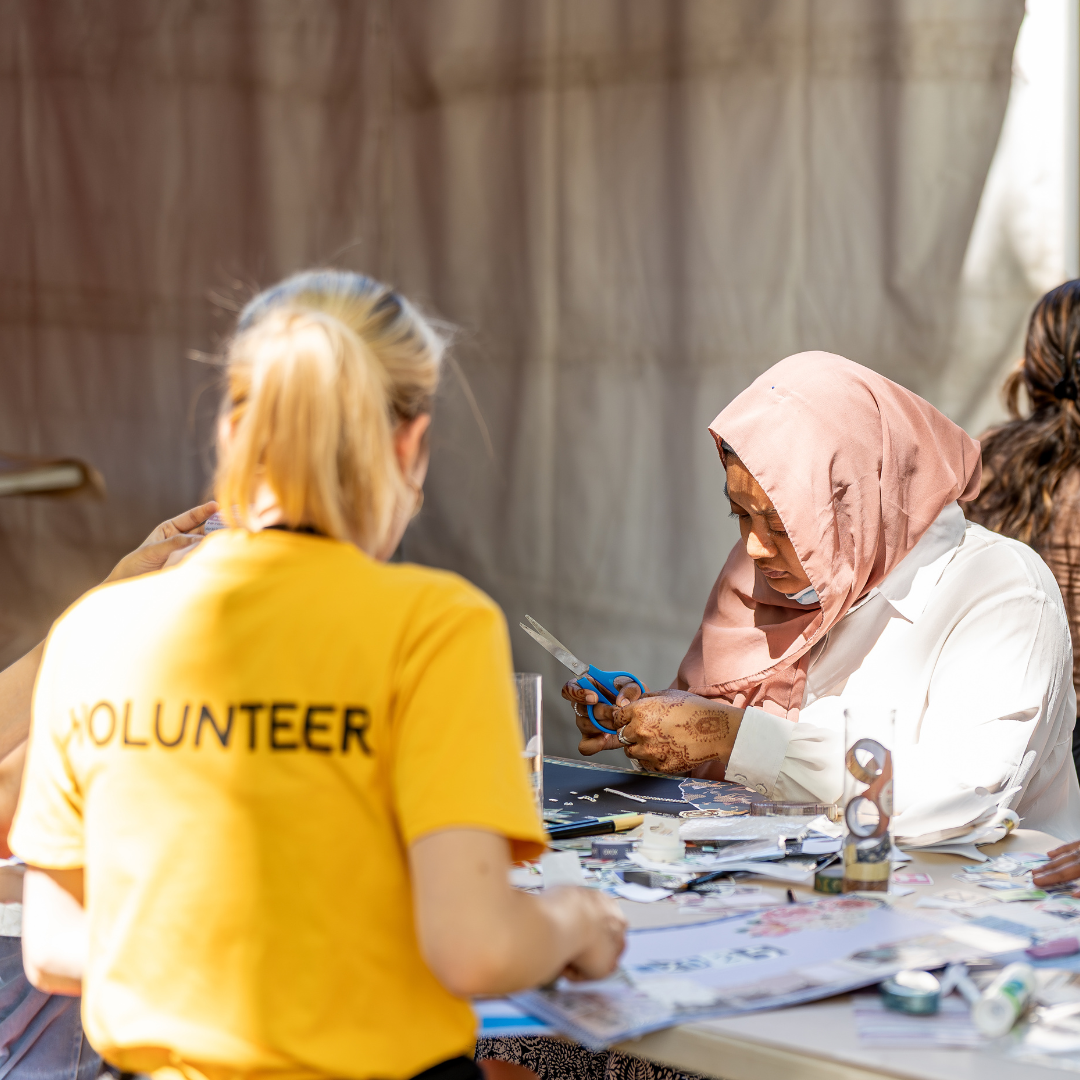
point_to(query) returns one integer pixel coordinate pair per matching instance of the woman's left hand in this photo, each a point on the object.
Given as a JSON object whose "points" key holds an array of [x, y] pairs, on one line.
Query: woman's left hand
{"points": [[171, 537], [1064, 865], [671, 731]]}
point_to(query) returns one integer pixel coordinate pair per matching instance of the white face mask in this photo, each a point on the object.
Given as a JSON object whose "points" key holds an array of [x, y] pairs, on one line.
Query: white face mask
{"points": [[807, 596]]}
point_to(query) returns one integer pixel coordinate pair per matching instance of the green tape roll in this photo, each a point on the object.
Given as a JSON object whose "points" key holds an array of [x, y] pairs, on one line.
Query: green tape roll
{"points": [[915, 992]]}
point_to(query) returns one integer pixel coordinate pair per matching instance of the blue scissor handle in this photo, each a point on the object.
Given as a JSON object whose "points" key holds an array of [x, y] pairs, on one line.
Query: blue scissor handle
{"points": [[606, 679]]}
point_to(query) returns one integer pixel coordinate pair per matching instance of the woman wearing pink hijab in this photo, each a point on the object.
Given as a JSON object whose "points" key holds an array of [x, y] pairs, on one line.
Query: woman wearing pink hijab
{"points": [[858, 581]]}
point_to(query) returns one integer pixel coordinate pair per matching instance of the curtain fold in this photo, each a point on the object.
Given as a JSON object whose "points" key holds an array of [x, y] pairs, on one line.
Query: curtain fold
{"points": [[626, 208]]}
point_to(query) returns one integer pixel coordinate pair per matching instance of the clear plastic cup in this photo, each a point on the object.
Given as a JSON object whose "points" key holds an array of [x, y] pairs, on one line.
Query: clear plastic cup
{"points": [[531, 717]]}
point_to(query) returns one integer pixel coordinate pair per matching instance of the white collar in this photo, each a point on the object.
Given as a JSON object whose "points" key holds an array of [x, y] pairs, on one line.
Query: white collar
{"points": [[908, 586]]}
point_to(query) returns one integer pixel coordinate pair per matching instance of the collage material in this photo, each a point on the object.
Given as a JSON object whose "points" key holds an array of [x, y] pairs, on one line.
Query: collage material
{"points": [[783, 956]]}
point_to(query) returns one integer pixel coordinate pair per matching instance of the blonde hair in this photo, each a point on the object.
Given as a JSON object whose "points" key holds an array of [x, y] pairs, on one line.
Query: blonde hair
{"points": [[322, 368]]}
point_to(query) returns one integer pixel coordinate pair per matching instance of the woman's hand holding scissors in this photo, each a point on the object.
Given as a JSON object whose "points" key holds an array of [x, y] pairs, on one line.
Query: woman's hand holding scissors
{"points": [[667, 731], [581, 692]]}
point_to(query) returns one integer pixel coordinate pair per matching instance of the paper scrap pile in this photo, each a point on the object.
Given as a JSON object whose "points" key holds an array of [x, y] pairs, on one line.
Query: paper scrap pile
{"points": [[955, 823]]}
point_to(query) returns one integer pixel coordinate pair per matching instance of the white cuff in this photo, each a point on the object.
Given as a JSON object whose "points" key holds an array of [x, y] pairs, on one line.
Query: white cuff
{"points": [[11, 920], [759, 750]]}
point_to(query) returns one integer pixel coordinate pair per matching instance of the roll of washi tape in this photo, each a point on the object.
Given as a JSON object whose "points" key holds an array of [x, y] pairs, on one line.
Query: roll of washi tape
{"points": [[829, 880], [914, 992], [611, 849]]}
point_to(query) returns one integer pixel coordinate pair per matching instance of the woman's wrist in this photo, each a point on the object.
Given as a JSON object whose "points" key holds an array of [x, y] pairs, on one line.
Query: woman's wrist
{"points": [[674, 731], [713, 730], [563, 909]]}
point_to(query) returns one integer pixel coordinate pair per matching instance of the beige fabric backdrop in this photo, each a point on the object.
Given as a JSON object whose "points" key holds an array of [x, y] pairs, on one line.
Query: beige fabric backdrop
{"points": [[629, 208]]}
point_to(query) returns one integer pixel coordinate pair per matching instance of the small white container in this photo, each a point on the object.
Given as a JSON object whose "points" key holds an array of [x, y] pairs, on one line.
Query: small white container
{"points": [[1004, 1000], [660, 839]]}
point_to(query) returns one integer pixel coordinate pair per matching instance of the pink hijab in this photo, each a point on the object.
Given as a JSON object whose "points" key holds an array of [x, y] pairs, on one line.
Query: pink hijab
{"points": [[858, 469]]}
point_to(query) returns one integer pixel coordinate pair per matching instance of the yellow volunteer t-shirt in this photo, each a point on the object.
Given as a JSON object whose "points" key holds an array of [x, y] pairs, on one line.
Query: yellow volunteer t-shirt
{"points": [[239, 751]]}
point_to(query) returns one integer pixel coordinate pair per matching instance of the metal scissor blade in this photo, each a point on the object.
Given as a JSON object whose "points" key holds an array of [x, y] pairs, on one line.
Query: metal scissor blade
{"points": [[553, 646]]}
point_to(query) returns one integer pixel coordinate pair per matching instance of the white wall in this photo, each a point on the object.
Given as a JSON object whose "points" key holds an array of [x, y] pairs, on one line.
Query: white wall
{"points": [[1024, 241]]}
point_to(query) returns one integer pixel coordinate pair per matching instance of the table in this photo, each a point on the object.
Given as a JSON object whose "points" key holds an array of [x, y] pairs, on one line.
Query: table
{"points": [[818, 1041]]}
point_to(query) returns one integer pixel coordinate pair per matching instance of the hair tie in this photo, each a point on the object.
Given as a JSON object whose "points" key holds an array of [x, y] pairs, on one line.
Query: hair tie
{"points": [[1066, 385], [1066, 388]]}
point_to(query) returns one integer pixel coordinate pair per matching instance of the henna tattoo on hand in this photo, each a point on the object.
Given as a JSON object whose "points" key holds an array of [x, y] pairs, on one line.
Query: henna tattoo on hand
{"points": [[707, 724], [674, 731]]}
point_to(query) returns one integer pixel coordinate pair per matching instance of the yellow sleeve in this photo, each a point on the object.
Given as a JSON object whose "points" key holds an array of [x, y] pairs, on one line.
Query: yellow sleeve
{"points": [[48, 827], [457, 743]]}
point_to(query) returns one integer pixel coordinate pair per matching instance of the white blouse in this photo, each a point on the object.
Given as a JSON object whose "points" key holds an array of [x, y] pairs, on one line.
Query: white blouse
{"points": [[968, 640]]}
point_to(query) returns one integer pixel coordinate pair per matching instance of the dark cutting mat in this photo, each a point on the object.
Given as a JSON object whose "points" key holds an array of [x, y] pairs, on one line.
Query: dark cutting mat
{"points": [[567, 781]]}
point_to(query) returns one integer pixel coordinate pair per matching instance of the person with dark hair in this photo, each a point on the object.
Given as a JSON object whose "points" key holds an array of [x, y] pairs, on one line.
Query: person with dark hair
{"points": [[1031, 465]]}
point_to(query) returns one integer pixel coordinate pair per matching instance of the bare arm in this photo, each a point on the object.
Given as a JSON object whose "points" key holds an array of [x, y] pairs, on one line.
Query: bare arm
{"points": [[17, 681], [16, 689], [54, 933], [11, 769], [480, 936], [477, 934]]}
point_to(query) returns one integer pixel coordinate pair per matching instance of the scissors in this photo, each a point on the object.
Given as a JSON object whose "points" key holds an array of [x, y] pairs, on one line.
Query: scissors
{"points": [[605, 680]]}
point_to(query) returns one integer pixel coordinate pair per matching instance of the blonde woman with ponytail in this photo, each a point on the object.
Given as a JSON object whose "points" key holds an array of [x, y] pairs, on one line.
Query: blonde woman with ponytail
{"points": [[267, 828]]}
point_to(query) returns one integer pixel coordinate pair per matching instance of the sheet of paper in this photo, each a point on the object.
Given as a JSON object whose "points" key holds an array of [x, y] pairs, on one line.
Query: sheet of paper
{"points": [[955, 812], [797, 871], [700, 863], [965, 851], [821, 845], [743, 828], [783, 956], [951, 1026]]}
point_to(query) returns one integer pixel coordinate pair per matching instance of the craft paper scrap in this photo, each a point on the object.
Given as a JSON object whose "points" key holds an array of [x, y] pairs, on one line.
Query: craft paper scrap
{"points": [[743, 828], [795, 870], [1011, 896], [821, 845], [526, 877], [699, 863], [1064, 907], [640, 894], [561, 868], [954, 898], [902, 878]]}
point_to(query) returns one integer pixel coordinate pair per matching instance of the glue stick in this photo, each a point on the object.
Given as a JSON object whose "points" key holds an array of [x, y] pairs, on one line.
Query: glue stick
{"points": [[1004, 1000]]}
